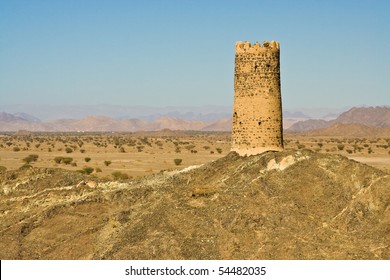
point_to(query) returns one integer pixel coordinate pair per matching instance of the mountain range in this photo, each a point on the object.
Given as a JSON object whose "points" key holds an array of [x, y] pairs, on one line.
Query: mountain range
{"points": [[357, 119], [363, 119]]}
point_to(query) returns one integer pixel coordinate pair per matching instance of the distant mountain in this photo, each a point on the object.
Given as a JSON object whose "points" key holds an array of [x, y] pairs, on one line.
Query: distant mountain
{"points": [[219, 125], [10, 122], [351, 130], [288, 114], [307, 125], [374, 116], [368, 116], [27, 117]]}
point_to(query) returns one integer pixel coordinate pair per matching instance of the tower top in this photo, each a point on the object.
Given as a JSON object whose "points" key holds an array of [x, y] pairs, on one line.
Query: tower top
{"points": [[247, 47]]}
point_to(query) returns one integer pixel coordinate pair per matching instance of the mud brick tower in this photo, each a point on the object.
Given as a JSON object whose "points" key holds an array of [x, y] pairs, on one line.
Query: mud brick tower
{"points": [[257, 112]]}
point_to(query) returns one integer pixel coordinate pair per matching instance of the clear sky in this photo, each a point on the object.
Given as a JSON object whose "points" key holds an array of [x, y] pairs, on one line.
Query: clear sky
{"points": [[161, 53]]}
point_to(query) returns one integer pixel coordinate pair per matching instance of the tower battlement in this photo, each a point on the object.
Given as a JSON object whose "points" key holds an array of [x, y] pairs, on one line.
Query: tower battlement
{"points": [[247, 47], [257, 115]]}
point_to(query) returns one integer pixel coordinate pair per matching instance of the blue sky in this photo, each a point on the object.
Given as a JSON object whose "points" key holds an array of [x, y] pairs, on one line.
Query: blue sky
{"points": [[181, 53]]}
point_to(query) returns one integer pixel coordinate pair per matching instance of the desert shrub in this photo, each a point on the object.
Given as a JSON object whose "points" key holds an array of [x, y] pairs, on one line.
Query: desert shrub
{"points": [[30, 158], [320, 145], [73, 164], [190, 147], [3, 168], [58, 159], [87, 159], [67, 160], [82, 151], [369, 150], [140, 148], [301, 146], [98, 169], [340, 147], [177, 161], [349, 151], [177, 150], [25, 166], [119, 175], [16, 149], [211, 152], [68, 150], [37, 145], [206, 147], [219, 150], [366, 145], [88, 170], [122, 150], [107, 162], [159, 143]]}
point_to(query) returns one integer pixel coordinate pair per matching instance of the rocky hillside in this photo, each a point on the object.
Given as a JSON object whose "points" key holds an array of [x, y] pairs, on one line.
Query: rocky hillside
{"points": [[277, 205], [378, 117]]}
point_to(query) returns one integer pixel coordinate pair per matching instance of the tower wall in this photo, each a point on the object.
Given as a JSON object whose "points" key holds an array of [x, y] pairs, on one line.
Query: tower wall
{"points": [[257, 113]]}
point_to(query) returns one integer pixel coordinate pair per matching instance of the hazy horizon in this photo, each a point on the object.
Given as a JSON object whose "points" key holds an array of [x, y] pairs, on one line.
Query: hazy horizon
{"points": [[181, 53]]}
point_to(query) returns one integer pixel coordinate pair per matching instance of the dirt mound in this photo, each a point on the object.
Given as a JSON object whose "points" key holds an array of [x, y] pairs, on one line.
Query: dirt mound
{"points": [[277, 205]]}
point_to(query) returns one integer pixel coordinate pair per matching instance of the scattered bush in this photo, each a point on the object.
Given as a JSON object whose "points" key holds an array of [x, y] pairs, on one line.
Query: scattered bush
{"points": [[340, 147], [25, 166], [349, 151], [87, 159], [68, 150], [219, 150], [30, 158], [97, 169], [88, 170], [107, 162], [58, 159], [3, 168], [16, 149], [67, 160], [119, 175], [177, 161]]}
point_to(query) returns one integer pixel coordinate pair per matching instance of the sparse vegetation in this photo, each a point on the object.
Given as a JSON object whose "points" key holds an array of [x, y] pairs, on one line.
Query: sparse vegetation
{"points": [[31, 158], [117, 175], [177, 161]]}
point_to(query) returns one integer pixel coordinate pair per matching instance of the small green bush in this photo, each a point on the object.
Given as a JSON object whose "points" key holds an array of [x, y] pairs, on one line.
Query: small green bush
{"points": [[340, 147], [87, 159], [177, 161], [119, 175], [107, 162], [68, 150], [219, 150], [25, 166], [88, 170], [58, 159], [30, 158], [67, 160]]}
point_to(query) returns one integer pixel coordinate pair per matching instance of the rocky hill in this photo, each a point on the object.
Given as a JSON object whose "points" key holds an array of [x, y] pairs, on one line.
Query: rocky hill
{"points": [[368, 116], [277, 205]]}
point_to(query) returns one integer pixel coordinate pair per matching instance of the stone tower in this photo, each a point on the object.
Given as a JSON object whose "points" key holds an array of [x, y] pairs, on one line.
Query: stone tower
{"points": [[257, 113]]}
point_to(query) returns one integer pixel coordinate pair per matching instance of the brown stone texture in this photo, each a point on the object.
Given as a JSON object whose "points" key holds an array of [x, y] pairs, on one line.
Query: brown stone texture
{"points": [[257, 113]]}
